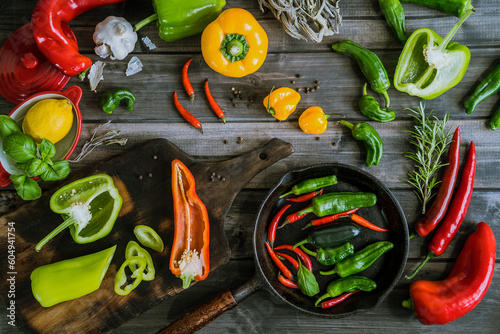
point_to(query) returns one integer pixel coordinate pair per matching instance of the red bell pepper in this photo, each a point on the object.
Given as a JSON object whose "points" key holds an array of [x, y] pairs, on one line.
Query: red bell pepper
{"points": [[58, 48], [189, 257], [440, 302]]}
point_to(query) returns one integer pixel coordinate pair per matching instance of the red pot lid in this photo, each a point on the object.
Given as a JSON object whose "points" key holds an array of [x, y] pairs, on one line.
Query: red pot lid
{"points": [[24, 70]]}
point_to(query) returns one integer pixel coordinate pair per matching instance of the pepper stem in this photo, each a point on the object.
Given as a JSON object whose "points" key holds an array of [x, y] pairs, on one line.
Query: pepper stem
{"points": [[308, 251], [234, 47], [346, 123], [68, 222], [430, 255], [146, 21], [387, 99], [302, 212], [330, 272], [364, 89], [451, 33], [408, 304], [305, 241]]}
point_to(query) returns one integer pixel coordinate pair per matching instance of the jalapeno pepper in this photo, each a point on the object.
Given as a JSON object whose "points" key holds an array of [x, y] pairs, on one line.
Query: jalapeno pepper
{"points": [[309, 185], [89, 206], [370, 108], [486, 87], [133, 249], [330, 236], [148, 237], [371, 141], [370, 64], [69, 279], [336, 202], [347, 284], [330, 256], [136, 264], [111, 99], [360, 260], [395, 16]]}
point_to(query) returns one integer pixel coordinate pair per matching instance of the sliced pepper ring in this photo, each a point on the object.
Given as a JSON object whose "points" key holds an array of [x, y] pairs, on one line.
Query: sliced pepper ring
{"points": [[148, 237], [135, 263], [133, 249]]}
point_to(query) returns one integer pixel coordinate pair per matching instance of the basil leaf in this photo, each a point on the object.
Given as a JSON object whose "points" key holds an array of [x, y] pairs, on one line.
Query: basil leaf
{"points": [[26, 188], [8, 126], [36, 167], [307, 281], [22, 165], [57, 171], [19, 147], [47, 149]]}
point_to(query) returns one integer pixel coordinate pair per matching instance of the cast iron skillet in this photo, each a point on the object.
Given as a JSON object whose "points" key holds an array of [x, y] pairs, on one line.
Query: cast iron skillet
{"points": [[386, 271]]}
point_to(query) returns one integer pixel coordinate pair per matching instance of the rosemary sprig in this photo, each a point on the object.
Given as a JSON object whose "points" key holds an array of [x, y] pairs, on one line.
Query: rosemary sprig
{"points": [[430, 139]]}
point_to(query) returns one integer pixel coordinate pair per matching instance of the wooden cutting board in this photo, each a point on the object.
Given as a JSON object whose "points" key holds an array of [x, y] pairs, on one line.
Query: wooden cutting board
{"points": [[143, 179]]}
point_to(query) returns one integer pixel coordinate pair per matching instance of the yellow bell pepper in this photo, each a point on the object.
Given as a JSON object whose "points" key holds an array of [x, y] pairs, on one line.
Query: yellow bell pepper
{"points": [[234, 44], [281, 102], [313, 120]]}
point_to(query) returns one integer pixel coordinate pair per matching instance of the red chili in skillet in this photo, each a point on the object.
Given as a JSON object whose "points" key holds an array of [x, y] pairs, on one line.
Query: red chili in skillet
{"points": [[305, 197], [271, 232], [303, 256]]}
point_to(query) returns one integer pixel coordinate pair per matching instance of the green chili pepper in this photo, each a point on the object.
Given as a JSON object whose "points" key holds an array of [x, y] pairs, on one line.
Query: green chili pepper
{"points": [[495, 120], [330, 256], [89, 207], [137, 264], [371, 141], [133, 249], [148, 237], [347, 284], [309, 185], [360, 260], [452, 7], [69, 279], [370, 64], [370, 108], [333, 203], [395, 16], [330, 236], [486, 87], [111, 99]]}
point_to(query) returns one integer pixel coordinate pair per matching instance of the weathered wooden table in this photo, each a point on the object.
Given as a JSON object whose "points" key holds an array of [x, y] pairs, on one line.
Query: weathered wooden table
{"points": [[249, 126]]}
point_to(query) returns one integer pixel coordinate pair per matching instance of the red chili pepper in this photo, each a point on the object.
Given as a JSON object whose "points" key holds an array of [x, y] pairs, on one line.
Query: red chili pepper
{"points": [[328, 219], [443, 197], [365, 223], [456, 213], [187, 115], [288, 282], [185, 80], [303, 256], [441, 302], [271, 232], [277, 262], [215, 107], [290, 259], [57, 47], [305, 197], [337, 300], [293, 217]]}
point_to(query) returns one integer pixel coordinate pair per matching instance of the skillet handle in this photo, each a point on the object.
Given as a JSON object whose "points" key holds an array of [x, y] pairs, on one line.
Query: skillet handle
{"points": [[209, 311]]}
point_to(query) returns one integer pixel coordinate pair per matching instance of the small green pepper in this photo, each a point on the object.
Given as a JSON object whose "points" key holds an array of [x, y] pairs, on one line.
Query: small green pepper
{"points": [[360, 260], [347, 284], [336, 202], [111, 99], [452, 7], [486, 87], [370, 108], [137, 264], [330, 256], [309, 185], [495, 120], [330, 236], [370, 64], [371, 141], [133, 249], [69, 279], [395, 16]]}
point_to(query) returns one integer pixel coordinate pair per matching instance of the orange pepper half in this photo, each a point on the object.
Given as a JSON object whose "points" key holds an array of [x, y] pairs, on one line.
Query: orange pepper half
{"points": [[189, 258], [281, 102]]}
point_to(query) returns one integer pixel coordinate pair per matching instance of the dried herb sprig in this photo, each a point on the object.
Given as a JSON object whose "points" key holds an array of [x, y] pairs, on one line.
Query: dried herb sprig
{"points": [[430, 139]]}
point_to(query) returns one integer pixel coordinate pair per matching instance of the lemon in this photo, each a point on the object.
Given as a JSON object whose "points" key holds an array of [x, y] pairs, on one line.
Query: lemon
{"points": [[50, 119]]}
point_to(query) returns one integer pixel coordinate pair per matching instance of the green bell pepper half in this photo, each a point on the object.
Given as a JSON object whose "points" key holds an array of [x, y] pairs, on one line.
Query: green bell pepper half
{"points": [[347, 284], [137, 264], [430, 65], [111, 99], [70, 279], [177, 19]]}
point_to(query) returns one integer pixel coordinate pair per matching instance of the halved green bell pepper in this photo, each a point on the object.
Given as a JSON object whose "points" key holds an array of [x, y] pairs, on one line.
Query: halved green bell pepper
{"points": [[430, 65]]}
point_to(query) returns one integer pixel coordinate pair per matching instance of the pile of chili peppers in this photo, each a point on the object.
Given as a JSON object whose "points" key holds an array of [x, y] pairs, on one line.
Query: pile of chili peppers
{"points": [[331, 240]]}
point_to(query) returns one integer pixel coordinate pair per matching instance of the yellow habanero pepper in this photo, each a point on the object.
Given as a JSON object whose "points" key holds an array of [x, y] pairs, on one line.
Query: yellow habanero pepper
{"points": [[234, 44], [313, 120], [281, 102]]}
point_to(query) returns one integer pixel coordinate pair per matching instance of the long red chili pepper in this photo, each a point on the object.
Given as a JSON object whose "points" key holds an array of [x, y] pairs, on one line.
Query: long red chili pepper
{"points": [[187, 115], [456, 213], [336, 300], [288, 282], [293, 217], [290, 259], [185, 80], [365, 223], [277, 262], [215, 107], [440, 302], [303, 256], [271, 232], [443, 197], [328, 219], [305, 197]]}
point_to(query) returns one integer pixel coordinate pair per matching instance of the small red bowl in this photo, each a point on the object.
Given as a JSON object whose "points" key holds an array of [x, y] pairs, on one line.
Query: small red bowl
{"points": [[64, 147]]}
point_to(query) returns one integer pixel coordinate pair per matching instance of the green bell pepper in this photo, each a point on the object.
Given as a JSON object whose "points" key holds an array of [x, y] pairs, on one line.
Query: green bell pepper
{"points": [[89, 207], [112, 98], [430, 65], [177, 19], [137, 264], [133, 249], [69, 279], [452, 7], [372, 142], [370, 108], [347, 284]]}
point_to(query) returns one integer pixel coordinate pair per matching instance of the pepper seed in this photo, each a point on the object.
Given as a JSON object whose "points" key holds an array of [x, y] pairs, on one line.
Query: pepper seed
{"points": [[140, 177], [150, 174], [223, 179], [235, 105], [155, 157], [225, 141], [232, 88], [292, 82], [316, 87], [298, 76]]}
